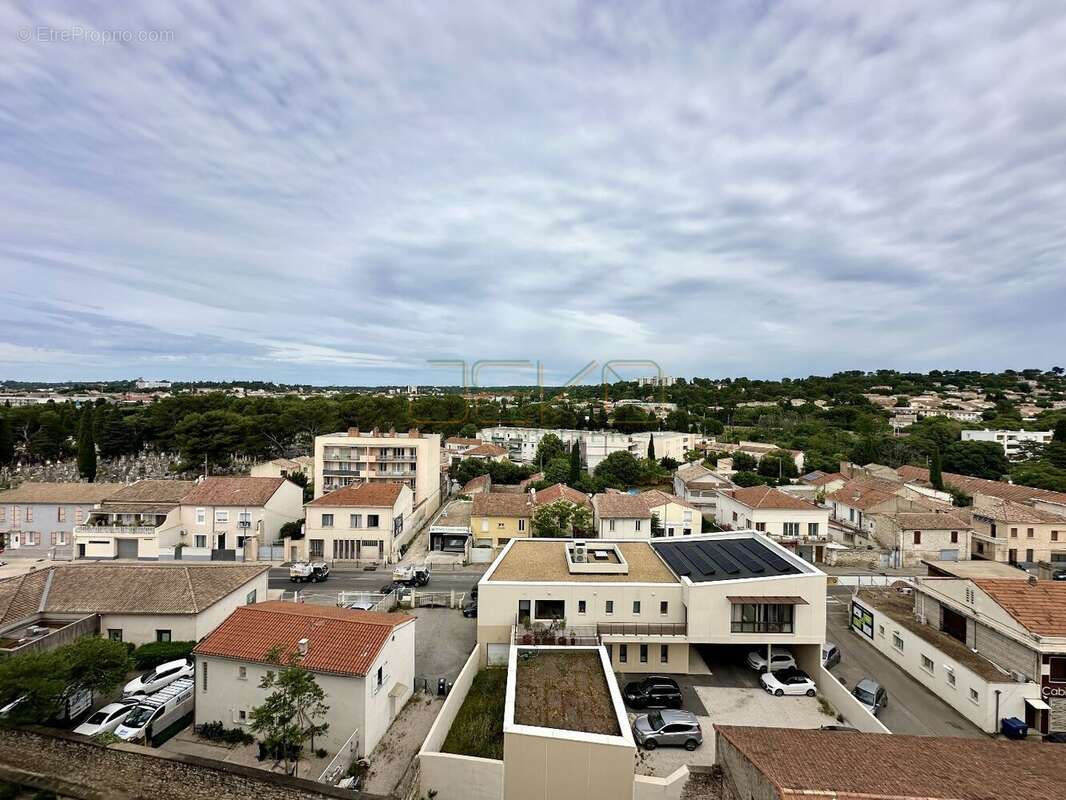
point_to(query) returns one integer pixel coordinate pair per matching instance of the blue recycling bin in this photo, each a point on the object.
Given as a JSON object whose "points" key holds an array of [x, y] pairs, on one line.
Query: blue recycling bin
{"points": [[1014, 728]]}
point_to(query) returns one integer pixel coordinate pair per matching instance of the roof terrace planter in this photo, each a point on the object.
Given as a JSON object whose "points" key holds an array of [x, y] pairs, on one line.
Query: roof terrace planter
{"points": [[563, 689]]}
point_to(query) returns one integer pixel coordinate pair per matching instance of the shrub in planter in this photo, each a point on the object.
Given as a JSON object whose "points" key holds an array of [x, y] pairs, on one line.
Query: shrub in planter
{"points": [[321, 752], [155, 653]]}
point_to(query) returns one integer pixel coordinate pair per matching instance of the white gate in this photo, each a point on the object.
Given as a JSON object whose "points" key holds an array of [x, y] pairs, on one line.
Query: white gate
{"points": [[498, 654]]}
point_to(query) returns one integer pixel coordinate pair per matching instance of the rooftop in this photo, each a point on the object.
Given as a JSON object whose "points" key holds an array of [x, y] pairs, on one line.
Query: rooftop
{"points": [[971, 485], [564, 689], [620, 505], [1010, 511], [975, 568], [487, 449], [233, 491], [930, 521], [1039, 606], [153, 491], [900, 608], [705, 559], [342, 641], [862, 493], [769, 497], [382, 494], [501, 504], [544, 560], [843, 765], [40, 492], [560, 491]]}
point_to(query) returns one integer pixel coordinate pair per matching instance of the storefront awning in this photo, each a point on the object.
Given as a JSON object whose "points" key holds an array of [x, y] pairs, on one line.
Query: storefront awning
{"points": [[767, 600], [1037, 703]]}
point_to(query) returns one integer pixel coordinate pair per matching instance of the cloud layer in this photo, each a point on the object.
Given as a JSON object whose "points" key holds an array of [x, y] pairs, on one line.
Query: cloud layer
{"points": [[340, 192]]}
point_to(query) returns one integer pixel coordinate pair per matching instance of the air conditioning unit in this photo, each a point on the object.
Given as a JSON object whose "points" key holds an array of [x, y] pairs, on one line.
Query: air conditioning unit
{"points": [[580, 553]]}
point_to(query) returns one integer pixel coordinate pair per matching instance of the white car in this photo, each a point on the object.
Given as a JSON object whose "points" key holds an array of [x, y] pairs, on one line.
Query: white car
{"points": [[106, 719], [782, 659], [788, 681], [156, 679]]}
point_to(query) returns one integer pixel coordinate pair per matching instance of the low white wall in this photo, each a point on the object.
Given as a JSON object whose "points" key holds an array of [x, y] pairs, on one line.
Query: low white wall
{"points": [[855, 713], [453, 777], [645, 787]]}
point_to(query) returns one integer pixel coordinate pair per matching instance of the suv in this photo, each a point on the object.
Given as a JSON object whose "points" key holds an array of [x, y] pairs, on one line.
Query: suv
{"points": [[680, 728], [654, 691], [830, 655], [871, 694]]}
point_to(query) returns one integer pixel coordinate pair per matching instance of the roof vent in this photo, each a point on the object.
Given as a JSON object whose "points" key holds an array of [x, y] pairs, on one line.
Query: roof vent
{"points": [[1032, 580], [302, 646]]}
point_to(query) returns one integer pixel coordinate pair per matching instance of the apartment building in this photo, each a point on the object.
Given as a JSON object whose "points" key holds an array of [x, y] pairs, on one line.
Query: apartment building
{"points": [[1010, 441], [771, 511], [354, 456], [521, 443], [649, 601], [363, 522], [1018, 534], [37, 520]]}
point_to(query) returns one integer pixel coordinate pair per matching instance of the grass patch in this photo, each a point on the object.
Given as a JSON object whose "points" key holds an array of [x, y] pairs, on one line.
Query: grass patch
{"points": [[564, 689], [478, 727]]}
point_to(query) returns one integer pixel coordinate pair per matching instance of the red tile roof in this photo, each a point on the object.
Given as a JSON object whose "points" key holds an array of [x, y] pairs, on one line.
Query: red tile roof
{"points": [[482, 483], [653, 498], [1040, 608], [341, 641], [769, 497], [500, 504], [375, 494], [233, 491], [862, 493], [462, 440], [838, 765], [492, 450], [560, 491], [620, 505], [971, 485]]}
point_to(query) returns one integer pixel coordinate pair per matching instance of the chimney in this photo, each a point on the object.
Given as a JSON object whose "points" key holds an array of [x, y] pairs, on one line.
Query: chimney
{"points": [[1032, 580], [302, 646]]}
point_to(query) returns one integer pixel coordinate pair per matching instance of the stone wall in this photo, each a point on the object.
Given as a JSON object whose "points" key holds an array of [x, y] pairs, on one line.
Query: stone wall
{"points": [[75, 767]]}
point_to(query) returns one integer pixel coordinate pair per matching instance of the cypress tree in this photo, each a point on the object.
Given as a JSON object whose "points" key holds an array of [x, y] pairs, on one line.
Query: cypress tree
{"points": [[7, 441], [87, 446], [575, 463], [936, 475], [651, 448]]}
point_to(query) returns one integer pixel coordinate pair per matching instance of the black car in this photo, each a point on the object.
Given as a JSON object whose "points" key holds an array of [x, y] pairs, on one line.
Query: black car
{"points": [[470, 609], [654, 691], [392, 586]]}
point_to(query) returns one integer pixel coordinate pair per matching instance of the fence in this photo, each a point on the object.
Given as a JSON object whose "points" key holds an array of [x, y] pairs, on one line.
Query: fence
{"points": [[369, 601], [338, 767], [642, 629]]}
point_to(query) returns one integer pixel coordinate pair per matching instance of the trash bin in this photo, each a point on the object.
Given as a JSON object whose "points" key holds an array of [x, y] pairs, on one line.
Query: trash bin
{"points": [[1014, 728], [442, 686]]}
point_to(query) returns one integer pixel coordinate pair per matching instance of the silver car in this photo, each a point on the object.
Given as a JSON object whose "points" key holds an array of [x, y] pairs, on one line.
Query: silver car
{"points": [[668, 727], [871, 694], [830, 655]]}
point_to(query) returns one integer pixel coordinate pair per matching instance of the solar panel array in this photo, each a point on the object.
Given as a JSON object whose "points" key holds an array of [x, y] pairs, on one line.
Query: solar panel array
{"points": [[722, 559]]}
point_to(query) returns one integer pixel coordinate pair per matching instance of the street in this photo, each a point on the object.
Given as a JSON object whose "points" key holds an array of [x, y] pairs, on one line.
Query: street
{"points": [[912, 709], [348, 579]]}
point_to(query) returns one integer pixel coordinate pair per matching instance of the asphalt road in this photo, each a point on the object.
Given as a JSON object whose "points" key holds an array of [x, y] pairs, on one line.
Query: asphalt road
{"points": [[348, 579], [912, 709]]}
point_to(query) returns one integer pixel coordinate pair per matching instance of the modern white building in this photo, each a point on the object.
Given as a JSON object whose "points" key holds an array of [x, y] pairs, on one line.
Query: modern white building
{"points": [[1011, 441], [521, 443], [771, 511]]}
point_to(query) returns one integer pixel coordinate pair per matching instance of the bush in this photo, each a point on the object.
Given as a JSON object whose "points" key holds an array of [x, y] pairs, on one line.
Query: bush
{"points": [[155, 653], [217, 732]]}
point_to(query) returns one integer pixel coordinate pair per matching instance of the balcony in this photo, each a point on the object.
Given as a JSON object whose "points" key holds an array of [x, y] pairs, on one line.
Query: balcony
{"points": [[642, 629], [115, 530]]}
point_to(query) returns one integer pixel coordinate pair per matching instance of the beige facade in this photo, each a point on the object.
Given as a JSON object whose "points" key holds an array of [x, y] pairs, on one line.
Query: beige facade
{"points": [[345, 532], [1016, 533], [284, 467]]}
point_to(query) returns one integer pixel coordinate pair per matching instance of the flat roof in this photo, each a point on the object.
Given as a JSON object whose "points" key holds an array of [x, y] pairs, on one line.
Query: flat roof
{"points": [[544, 561], [974, 569], [564, 689], [725, 558]]}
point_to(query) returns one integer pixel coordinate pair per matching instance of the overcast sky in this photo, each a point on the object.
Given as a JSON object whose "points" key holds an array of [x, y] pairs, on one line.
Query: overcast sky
{"points": [[341, 192]]}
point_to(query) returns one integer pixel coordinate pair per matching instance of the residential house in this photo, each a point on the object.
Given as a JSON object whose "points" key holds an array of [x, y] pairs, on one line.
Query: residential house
{"points": [[917, 536], [285, 467], [37, 519], [981, 489], [455, 448], [1012, 442], [364, 522], [139, 521], [363, 661], [496, 518], [672, 516], [648, 601], [826, 482], [560, 491], [1018, 534], [756, 450], [354, 456], [698, 485], [854, 506], [487, 452], [771, 511], [134, 603], [619, 515]]}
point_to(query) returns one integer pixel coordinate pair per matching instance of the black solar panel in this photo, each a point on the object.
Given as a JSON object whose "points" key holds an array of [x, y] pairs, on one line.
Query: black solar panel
{"points": [[750, 560], [767, 555], [672, 559], [722, 559], [701, 563]]}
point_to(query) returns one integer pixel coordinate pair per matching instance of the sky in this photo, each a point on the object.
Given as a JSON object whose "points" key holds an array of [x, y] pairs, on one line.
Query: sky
{"points": [[351, 192]]}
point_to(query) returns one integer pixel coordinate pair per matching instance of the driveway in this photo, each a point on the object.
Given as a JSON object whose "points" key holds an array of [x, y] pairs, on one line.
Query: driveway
{"points": [[912, 709], [443, 641]]}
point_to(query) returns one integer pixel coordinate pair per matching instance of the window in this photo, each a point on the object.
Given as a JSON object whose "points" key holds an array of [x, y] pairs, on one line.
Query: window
{"points": [[734, 516], [31, 538], [203, 672], [1058, 669], [249, 598], [201, 516], [379, 678], [792, 529], [523, 611], [1014, 533], [580, 606], [974, 696], [762, 618], [880, 630], [372, 520], [29, 513], [609, 608], [917, 537], [851, 514], [1029, 533], [114, 634], [664, 654], [623, 653], [242, 715], [1054, 535], [812, 529], [897, 641], [610, 525], [61, 514], [664, 607], [242, 673], [1029, 555], [521, 524], [927, 663], [355, 520], [327, 520], [200, 540], [954, 537], [636, 606], [636, 525], [643, 654], [950, 675], [162, 636], [317, 547], [221, 516], [244, 519], [760, 526], [549, 609]]}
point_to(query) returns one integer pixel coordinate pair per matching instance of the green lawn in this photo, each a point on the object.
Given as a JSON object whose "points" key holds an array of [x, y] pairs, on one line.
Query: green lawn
{"points": [[478, 727]]}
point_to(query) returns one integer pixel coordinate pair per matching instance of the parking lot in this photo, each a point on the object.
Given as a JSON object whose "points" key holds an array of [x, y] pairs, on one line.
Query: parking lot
{"points": [[730, 694], [443, 641]]}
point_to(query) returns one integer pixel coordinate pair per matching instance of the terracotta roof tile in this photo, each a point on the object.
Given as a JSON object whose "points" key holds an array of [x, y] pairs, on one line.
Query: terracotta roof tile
{"points": [[971, 485], [462, 440], [926, 521], [153, 491], [486, 450], [375, 494], [1008, 511], [499, 504], [653, 498], [620, 505], [862, 493], [560, 491], [482, 483], [239, 490], [769, 497], [40, 492], [341, 641], [1040, 608]]}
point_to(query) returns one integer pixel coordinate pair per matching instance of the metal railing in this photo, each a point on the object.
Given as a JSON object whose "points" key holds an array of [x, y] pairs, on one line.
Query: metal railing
{"points": [[642, 629], [105, 530]]}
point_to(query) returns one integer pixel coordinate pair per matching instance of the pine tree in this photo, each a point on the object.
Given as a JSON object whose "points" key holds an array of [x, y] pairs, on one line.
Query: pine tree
{"points": [[936, 475], [87, 446], [651, 448], [575, 464], [7, 441]]}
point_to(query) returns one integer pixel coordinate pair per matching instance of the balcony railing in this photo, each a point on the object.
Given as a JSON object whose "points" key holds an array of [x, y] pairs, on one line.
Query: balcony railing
{"points": [[642, 629], [115, 530]]}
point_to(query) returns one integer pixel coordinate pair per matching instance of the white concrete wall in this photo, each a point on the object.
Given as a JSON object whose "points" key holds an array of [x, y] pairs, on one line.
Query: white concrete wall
{"points": [[341, 528], [773, 518], [397, 659], [647, 787], [624, 528]]}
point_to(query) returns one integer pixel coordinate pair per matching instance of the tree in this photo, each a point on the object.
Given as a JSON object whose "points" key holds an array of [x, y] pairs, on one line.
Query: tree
{"points": [[7, 441], [651, 448], [575, 464], [562, 519], [47, 442], [549, 447], [300, 479], [656, 525], [936, 470], [744, 462], [778, 464], [669, 463], [39, 678], [748, 479], [1058, 436], [96, 664], [979, 459], [619, 470], [293, 529], [557, 471], [287, 718], [87, 446], [214, 435]]}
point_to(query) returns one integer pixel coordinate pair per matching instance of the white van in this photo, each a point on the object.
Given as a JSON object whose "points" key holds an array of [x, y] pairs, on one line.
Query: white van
{"points": [[158, 711]]}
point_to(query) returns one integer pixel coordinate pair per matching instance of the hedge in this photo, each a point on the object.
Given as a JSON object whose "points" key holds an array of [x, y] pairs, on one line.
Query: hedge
{"points": [[155, 653]]}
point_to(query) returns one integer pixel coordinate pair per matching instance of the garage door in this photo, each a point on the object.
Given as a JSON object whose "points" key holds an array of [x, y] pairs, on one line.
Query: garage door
{"points": [[497, 654], [127, 548], [1058, 713]]}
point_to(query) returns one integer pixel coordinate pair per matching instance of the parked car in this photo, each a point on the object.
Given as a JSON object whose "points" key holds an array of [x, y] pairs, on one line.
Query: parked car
{"points": [[788, 681], [470, 609], [782, 659], [678, 728], [654, 691], [106, 719], [871, 694], [304, 571], [392, 586], [73, 702], [155, 679], [473, 592], [157, 712], [830, 655]]}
